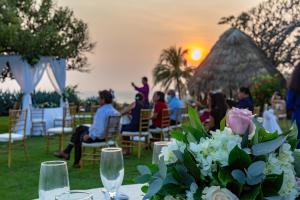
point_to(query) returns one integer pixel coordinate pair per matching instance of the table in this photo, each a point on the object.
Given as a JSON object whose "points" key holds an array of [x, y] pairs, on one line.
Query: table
{"points": [[133, 191]]}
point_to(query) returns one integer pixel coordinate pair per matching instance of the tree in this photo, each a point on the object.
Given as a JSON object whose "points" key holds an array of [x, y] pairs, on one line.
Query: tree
{"points": [[275, 27], [33, 28], [172, 68]]}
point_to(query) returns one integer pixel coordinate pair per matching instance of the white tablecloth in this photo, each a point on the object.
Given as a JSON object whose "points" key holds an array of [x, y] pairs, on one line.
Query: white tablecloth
{"points": [[49, 115], [132, 191]]}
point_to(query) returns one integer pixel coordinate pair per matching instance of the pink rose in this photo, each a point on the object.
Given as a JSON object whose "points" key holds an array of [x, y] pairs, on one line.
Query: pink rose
{"points": [[239, 120]]}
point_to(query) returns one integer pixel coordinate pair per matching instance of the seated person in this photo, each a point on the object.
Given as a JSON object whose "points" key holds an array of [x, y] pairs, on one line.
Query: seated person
{"points": [[204, 115], [174, 104], [217, 109], [245, 99], [159, 105], [95, 133], [270, 122], [134, 110]]}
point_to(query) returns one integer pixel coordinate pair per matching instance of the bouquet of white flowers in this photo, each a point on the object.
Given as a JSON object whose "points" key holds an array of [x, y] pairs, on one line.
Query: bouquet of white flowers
{"points": [[239, 161]]}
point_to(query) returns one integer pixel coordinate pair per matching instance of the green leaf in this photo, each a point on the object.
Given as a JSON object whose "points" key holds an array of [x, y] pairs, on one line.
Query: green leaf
{"points": [[224, 176], [143, 169], [144, 188], [196, 133], [143, 178], [223, 124], [257, 168], [154, 188], [171, 189], [272, 184], [181, 175], [162, 168], [266, 136], [268, 147], [239, 176], [178, 135], [255, 139], [292, 136], [239, 159], [254, 180], [198, 194], [195, 120], [170, 179], [191, 166], [235, 187], [245, 139], [251, 194]]}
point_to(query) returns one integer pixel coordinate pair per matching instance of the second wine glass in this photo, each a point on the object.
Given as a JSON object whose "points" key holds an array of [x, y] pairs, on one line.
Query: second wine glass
{"points": [[112, 170]]}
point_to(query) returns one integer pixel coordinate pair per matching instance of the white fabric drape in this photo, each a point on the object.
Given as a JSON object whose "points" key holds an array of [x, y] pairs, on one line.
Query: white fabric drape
{"points": [[57, 76], [28, 77]]}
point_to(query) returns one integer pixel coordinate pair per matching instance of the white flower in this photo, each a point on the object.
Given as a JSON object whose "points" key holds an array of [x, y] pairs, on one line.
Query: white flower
{"points": [[169, 197], [168, 151], [190, 193], [283, 163], [217, 193], [168, 154], [211, 151]]}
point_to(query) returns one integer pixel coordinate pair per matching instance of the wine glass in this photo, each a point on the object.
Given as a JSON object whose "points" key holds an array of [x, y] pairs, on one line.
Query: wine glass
{"points": [[75, 195], [112, 170], [54, 179], [157, 150]]}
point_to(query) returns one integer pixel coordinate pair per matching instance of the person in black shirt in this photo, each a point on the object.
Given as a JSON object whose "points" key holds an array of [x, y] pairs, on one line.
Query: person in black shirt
{"points": [[245, 99], [134, 111], [217, 108]]}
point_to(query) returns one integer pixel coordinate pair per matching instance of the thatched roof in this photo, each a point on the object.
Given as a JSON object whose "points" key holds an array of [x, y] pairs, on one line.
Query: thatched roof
{"points": [[233, 62]]}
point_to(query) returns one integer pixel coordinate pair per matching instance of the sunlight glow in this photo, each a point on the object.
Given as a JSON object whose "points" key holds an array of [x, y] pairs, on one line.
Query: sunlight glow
{"points": [[196, 54]]}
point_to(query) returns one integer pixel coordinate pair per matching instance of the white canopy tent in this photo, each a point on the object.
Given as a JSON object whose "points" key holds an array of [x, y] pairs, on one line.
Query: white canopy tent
{"points": [[28, 77]]}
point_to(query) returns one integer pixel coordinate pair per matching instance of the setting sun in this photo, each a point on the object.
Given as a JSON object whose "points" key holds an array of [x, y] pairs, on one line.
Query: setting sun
{"points": [[196, 54]]}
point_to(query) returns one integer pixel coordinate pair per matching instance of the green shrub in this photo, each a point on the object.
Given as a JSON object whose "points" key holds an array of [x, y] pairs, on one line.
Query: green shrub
{"points": [[264, 87]]}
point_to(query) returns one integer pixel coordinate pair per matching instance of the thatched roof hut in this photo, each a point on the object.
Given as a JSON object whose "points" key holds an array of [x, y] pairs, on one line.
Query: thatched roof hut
{"points": [[233, 62]]}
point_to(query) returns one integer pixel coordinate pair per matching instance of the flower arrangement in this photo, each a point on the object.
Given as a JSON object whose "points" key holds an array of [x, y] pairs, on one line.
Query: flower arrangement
{"points": [[239, 161]]}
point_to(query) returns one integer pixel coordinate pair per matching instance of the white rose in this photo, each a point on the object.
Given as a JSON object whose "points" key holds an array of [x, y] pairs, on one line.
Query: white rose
{"points": [[217, 193]]}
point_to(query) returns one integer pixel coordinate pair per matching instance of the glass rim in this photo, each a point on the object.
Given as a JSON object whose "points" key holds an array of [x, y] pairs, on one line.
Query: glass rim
{"points": [[54, 163], [111, 149], [89, 195], [162, 143]]}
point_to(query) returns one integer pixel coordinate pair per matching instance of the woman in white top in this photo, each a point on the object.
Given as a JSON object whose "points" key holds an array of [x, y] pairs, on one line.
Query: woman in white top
{"points": [[270, 122]]}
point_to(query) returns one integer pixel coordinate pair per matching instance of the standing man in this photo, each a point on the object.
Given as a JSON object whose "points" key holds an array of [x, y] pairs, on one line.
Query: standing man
{"points": [[144, 90], [293, 99], [174, 104]]}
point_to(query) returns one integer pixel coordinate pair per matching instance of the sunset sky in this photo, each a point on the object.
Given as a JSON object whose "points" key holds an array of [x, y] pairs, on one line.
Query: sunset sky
{"points": [[130, 35]]}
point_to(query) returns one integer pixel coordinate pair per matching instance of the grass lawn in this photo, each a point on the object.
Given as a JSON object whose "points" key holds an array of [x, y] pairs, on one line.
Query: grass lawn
{"points": [[21, 180]]}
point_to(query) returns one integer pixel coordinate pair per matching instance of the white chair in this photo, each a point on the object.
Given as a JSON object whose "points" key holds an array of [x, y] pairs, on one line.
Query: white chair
{"points": [[16, 135], [111, 134], [37, 120], [180, 118], [159, 134], [61, 127]]}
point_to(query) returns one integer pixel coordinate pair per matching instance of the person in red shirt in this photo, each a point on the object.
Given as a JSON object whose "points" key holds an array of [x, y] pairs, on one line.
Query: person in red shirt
{"points": [[159, 105]]}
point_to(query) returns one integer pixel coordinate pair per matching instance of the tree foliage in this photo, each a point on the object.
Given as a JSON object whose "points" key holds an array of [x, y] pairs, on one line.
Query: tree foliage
{"points": [[172, 68], [275, 27], [33, 28]]}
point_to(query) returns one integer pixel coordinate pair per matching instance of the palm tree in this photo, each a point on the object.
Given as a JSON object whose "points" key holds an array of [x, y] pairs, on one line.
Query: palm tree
{"points": [[172, 68]]}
